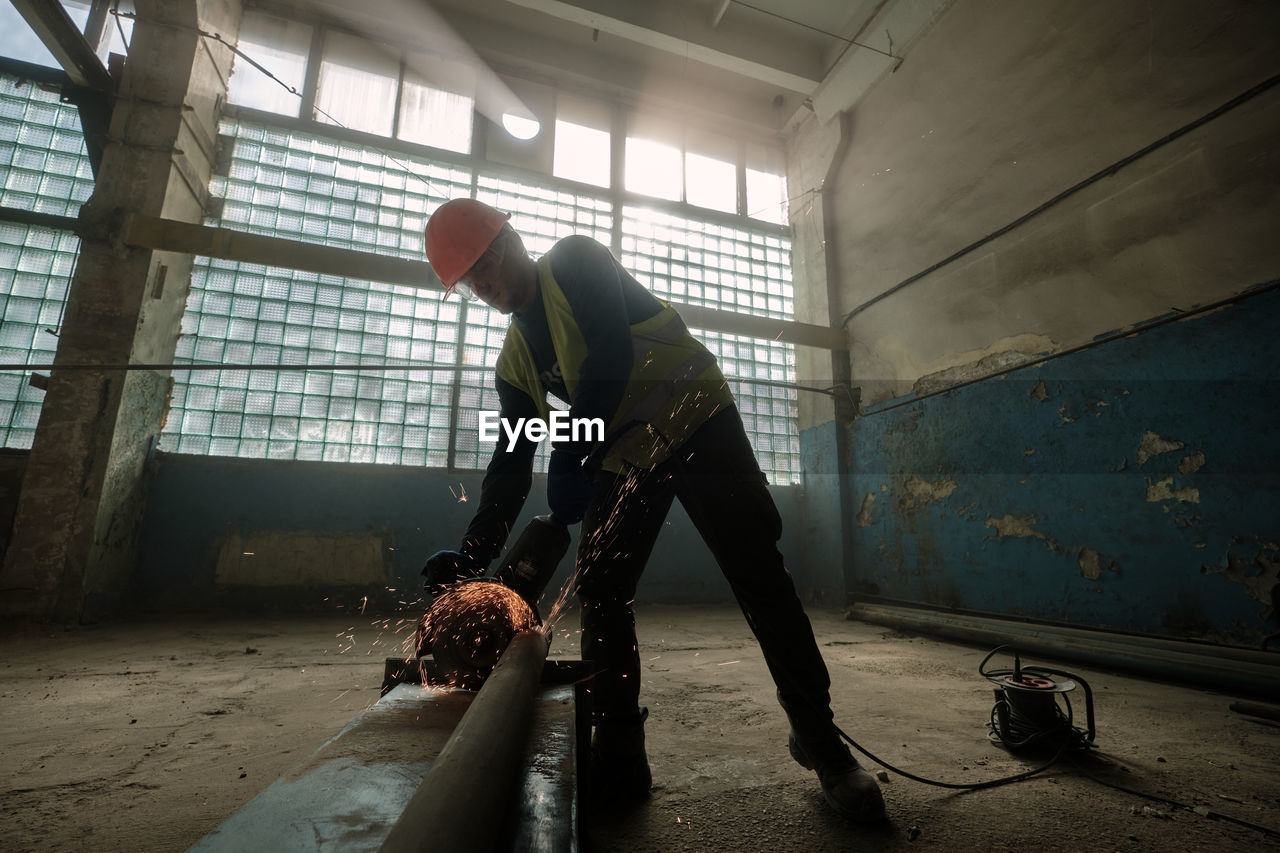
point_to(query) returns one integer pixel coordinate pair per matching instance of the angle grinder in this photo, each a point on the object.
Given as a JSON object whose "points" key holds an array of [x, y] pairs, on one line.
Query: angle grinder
{"points": [[468, 627]]}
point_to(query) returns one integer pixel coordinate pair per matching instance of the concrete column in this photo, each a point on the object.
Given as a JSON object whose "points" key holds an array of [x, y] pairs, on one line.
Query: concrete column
{"points": [[78, 516]]}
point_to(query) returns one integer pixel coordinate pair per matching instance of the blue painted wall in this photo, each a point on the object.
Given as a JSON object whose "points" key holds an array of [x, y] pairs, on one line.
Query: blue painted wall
{"points": [[1131, 486], [196, 502]]}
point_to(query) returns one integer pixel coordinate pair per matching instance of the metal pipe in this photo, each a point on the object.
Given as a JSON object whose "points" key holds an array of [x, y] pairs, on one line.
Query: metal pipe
{"points": [[1223, 668], [462, 801]]}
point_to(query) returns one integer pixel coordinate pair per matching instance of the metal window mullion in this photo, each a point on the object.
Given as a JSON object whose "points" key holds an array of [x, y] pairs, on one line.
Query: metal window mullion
{"points": [[617, 175], [311, 82], [455, 397], [741, 172], [395, 109]]}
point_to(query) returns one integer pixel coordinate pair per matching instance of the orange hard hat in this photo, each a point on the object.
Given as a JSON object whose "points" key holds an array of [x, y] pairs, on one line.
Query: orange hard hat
{"points": [[457, 234]]}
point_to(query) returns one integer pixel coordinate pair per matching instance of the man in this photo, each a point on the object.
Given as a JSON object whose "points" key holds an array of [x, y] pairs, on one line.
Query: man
{"points": [[585, 331]]}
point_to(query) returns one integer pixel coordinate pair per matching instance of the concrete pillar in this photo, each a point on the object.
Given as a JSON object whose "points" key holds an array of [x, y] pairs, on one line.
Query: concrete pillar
{"points": [[77, 522]]}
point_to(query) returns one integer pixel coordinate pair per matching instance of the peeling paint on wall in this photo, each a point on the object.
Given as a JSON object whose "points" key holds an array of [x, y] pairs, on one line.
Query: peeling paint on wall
{"points": [[996, 362], [1163, 491], [1076, 532], [923, 491], [1089, 566], [1191, 464], [1022, 528], [1092, 563], [1260, 576], [864, 515], [1153, 445], [979, 363]]}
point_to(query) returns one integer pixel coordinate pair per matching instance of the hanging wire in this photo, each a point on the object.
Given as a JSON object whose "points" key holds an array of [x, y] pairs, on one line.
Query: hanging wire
{"points": [[848, 41]]}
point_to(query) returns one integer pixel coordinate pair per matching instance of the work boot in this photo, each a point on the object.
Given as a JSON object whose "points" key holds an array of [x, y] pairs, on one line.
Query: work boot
{"points": [[849, 789], [619, 766]]}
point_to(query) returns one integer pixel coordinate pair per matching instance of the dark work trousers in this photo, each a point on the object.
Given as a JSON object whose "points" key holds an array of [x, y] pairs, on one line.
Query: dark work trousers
{"points": [[717, 479]]}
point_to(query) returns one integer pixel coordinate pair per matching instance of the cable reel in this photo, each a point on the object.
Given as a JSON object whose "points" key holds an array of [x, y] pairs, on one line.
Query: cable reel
{"points": [[1027, 712]]}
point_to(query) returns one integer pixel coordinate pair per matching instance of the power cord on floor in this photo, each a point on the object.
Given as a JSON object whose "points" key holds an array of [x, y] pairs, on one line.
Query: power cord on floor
{"points": [[1203, 811], [1036, 722], [972, 786], [1017, 721]]}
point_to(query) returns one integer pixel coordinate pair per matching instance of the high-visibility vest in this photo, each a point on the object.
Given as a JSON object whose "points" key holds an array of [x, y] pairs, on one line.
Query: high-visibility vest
{"points": [[674, 387]]}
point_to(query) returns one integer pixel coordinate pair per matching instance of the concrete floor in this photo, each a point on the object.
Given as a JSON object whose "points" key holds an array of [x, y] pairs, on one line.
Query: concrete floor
{"points": [[145, 736]]}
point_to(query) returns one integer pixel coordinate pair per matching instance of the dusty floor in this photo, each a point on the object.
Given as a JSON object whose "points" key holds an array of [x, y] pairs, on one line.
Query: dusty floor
{"points": [[145, 736]]}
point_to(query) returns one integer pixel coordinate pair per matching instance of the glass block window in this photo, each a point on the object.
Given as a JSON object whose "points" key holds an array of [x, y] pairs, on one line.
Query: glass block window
{"points": [[36, 265], [44, 166], [307, 187], [244, 313], [544, 214], [769, 412], [704, 263], [482, 340], [734, 269]]}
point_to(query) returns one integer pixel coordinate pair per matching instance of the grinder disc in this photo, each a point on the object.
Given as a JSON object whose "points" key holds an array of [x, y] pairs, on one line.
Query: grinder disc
{"points": [[468, 628]]}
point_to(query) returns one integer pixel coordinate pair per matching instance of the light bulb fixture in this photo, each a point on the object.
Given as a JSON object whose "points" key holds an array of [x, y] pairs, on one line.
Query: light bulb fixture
{"points": [[521, 127]]}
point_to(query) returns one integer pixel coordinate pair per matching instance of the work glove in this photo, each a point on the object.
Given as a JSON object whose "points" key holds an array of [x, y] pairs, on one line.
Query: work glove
{"points": [[569, 486], [445, 568]]}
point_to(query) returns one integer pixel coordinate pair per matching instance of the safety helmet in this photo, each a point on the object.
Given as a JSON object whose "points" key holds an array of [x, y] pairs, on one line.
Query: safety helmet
{"points": [[457, 234]]}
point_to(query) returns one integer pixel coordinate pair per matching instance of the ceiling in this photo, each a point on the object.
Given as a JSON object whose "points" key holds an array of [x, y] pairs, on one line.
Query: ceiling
{"points": [[751, 65]]}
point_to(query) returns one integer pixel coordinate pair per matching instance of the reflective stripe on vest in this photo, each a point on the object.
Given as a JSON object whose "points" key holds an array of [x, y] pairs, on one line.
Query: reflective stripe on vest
{"points": [[674, 386]]}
